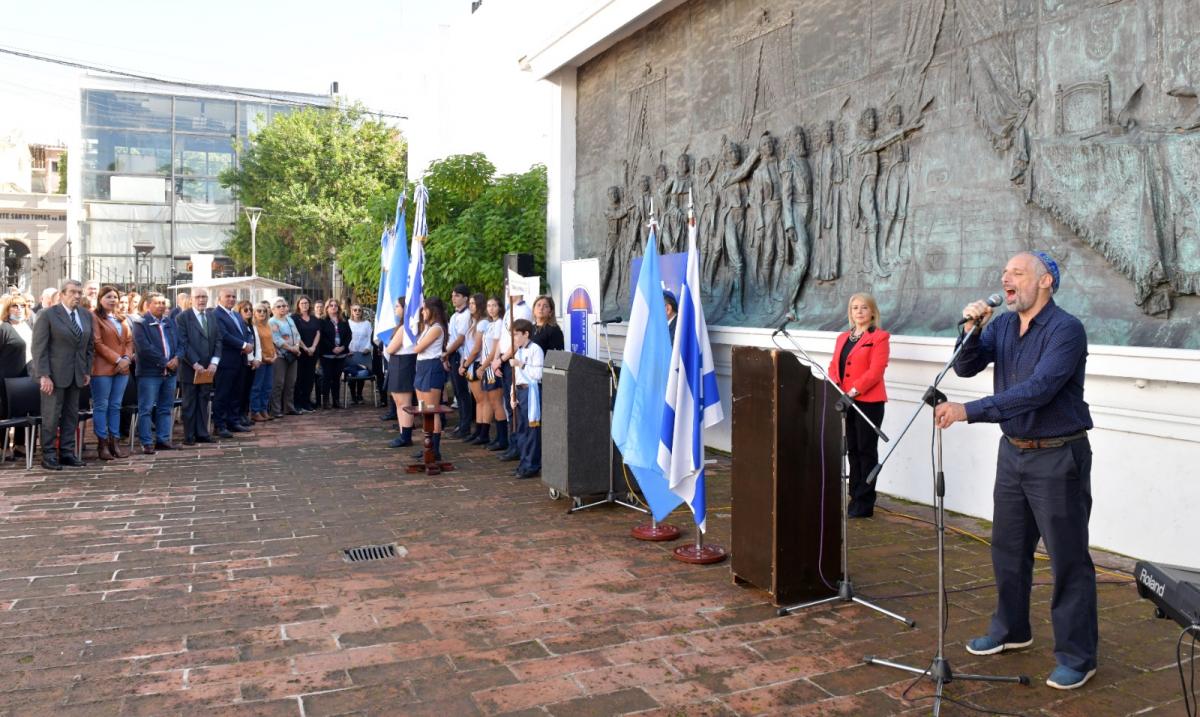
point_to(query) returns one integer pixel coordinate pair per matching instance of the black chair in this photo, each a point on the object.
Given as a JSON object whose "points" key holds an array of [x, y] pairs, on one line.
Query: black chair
{"points": [[85, 415], [129, 407], [358, 369], [23, 409]]}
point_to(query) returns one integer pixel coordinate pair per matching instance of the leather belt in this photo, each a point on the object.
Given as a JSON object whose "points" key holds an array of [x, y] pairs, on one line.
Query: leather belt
{"points": [[1033, 443]]}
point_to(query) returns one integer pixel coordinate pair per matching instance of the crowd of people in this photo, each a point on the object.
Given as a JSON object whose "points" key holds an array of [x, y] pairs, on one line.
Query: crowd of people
{"points": [[237, 363]]}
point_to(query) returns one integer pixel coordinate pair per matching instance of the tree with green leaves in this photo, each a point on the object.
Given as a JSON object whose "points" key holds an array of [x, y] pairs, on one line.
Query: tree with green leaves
{"points": [[474, 217], [314, 172]]}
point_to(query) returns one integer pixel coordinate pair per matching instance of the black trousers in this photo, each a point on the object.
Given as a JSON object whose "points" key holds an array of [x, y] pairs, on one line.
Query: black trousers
{"points": [[60, 418], [462, 392], [862, 445], [1045, 493], [306, 369], [196, 401], [331, 376]]}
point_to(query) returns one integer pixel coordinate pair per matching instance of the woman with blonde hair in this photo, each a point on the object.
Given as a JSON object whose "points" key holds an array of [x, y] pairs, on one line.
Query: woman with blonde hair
{"points": [[860, 358]]}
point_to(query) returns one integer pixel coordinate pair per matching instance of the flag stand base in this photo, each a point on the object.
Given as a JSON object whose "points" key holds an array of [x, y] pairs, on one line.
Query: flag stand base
{"points": [[698, 553], [655, 531]]}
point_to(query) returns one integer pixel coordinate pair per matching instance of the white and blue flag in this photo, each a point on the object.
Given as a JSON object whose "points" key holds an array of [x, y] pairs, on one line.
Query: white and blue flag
{"points": [[638, 412], [415, 294], [692, 402], [393, 276]]}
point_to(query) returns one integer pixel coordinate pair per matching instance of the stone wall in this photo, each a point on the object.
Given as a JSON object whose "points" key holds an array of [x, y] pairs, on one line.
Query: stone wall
{"points": [[904, 147]]}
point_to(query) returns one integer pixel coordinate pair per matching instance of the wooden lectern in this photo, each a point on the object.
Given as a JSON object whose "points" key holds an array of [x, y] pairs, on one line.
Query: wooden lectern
{"points": [[786, 504]]}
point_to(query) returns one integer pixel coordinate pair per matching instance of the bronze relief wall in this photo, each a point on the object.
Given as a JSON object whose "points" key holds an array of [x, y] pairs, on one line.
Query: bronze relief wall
{"points": [[904, 147]]}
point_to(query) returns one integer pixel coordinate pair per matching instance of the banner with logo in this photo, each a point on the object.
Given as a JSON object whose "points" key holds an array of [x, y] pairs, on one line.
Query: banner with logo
{"points": [[580, 305]]}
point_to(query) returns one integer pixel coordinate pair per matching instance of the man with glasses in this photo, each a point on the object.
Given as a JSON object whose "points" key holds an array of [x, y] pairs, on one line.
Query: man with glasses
{"points": [[199, 347], [62, 362]]}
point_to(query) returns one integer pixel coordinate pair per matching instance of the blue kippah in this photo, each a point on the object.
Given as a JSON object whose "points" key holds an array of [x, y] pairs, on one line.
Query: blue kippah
{"points": [[1051, 267]]}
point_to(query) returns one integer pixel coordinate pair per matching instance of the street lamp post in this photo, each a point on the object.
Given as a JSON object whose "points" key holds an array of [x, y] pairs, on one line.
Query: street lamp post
{"points": [[253, 214]]}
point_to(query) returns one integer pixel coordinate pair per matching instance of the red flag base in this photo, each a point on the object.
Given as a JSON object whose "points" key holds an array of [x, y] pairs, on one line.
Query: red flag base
{"points": [[429, 469], [655, 532], [699, 554]]}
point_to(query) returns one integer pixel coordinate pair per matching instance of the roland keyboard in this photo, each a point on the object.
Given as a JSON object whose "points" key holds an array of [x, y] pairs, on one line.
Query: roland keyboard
{"points": [[1174, 590]]}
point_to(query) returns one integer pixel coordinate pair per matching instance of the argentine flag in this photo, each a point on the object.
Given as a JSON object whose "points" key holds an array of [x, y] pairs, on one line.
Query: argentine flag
{"points": [[393, 276], [692, 403], [638, 412], [415, 295]]}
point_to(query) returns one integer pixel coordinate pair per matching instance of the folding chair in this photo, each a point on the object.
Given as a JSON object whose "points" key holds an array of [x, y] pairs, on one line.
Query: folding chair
{"points": [[22, 409]]}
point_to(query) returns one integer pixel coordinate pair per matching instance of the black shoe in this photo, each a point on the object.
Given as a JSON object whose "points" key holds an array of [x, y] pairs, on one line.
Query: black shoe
{"points": [[189, 442], [72, 461], [510, 457], [238, 428], [399, 442], [222, 433], [497, 446], [528, 474], [51, 465], [204, 439], [294, 413], [160, 445]]}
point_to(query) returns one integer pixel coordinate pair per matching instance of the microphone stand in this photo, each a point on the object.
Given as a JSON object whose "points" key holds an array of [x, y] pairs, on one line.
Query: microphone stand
{"points": [[845, 592], [611, 498], [939, 670]]}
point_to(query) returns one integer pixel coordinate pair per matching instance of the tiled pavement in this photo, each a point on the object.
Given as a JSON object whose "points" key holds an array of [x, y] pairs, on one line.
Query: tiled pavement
{"points": [[210, 581]]}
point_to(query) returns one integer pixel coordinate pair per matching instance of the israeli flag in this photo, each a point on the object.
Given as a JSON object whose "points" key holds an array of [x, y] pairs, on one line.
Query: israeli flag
{"points": [[394, 275], [692, 403], [638, 413], [415, 294]]}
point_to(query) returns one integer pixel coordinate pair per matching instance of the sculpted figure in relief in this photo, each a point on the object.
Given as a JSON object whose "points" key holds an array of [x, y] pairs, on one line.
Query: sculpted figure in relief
{"points": [[830, 204], [614, 265], [731, 216], [797, 178]]}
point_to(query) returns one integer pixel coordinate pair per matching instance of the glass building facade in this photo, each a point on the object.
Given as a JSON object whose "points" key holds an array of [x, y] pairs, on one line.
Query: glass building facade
{"points": [[150, 166]]}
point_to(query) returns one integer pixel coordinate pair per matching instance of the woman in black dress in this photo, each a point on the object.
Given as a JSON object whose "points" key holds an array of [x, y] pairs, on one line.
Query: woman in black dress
{"points": [[335, 339], [546, 332], [309, 328]]}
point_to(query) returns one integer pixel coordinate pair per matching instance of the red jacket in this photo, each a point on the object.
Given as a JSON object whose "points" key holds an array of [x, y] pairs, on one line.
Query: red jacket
{"points": [[864, 365]]}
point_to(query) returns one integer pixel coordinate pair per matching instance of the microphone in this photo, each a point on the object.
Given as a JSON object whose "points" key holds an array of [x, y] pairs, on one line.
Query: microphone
{"points": [[783, 327], [606, 322], [993, 301]]}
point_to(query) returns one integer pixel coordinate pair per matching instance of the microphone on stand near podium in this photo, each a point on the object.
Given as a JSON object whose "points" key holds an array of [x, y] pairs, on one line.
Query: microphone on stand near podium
{"points": [[845, 587]]}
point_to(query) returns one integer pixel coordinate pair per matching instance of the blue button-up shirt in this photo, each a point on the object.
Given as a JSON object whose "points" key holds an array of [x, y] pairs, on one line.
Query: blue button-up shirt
{"points": [[1038, 378]]}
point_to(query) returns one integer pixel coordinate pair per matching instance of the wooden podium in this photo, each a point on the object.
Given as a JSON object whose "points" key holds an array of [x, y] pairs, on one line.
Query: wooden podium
{"points": [[786, 509]]}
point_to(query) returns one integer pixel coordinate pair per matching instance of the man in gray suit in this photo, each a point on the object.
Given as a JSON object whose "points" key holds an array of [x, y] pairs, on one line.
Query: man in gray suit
{"points": [[199, 339], [62, 362]]}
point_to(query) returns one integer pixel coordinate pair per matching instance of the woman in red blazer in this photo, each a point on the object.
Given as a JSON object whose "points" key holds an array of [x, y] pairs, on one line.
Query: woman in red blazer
{"points": [[859, 360]]}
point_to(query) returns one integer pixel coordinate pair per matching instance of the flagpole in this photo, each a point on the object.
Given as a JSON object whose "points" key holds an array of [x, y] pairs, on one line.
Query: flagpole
{"points": [[699, 553], [654, 532]]}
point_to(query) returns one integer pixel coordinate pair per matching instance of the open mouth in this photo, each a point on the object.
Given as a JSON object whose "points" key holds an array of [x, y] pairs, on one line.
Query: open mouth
{"points": [[1010, 294]]}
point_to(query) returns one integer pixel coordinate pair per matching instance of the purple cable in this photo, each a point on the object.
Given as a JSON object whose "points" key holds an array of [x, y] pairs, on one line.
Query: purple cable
{"points": [[821, 542]]}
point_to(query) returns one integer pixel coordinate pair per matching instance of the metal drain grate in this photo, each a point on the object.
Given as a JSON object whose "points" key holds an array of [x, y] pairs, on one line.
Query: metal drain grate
{"points": [[369, 552]]}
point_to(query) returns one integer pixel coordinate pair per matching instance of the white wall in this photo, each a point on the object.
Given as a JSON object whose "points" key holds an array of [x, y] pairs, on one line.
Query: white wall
{"points": [[1145, 404]]}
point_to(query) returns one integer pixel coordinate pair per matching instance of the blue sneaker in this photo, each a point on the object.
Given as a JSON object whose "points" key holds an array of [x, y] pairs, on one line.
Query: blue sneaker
{"points": [[987, 646], [1065, 678]]}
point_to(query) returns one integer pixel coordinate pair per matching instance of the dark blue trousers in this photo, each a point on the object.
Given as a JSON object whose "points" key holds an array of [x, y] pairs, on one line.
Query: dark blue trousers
{"points": [[529, 438], [227, 385], [1046, 493]]}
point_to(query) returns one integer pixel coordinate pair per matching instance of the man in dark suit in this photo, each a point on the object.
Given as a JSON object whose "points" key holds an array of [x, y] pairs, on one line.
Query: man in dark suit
{"points": [[236, 342], [199, 349], [157, 347], [671, 305], [62, 361]]}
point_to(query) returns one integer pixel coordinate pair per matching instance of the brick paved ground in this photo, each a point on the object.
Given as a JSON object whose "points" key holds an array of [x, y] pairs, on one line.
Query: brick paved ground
{"points": [[210, 582]]}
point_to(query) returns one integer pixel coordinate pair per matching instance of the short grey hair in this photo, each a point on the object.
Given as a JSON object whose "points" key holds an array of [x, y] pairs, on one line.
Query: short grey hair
{"points": [[70, 282]]}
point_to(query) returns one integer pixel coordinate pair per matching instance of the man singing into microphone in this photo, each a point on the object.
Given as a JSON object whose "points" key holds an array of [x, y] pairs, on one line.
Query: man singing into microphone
{"points": [[1043, 471]]}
